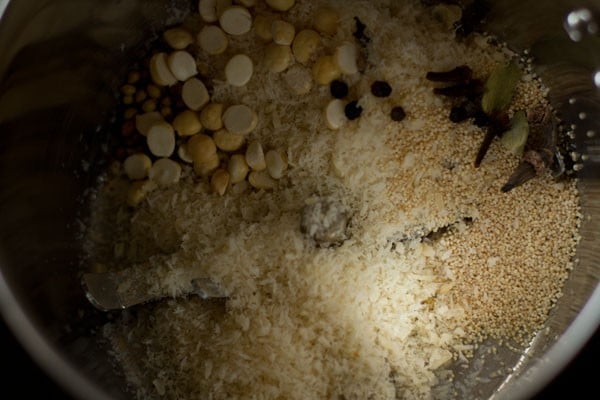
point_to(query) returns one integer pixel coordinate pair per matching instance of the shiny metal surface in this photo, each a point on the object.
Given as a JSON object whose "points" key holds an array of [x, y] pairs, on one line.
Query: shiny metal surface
{"points": [[61, 62], [105, 290], [568, 69]]}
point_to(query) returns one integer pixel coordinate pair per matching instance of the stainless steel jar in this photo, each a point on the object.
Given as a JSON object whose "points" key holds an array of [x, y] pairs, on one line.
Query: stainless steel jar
{"points": [[62, 60]]}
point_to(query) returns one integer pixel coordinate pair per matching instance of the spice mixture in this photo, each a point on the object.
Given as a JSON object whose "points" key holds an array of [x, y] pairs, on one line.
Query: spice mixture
{"points": [[326, 187]]}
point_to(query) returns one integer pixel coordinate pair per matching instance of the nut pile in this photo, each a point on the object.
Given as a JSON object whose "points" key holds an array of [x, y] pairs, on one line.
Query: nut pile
{"points": [[171, 120]]}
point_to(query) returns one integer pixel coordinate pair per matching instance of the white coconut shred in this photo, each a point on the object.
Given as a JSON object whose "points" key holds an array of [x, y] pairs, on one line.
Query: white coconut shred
{"points": [[383, 314]]}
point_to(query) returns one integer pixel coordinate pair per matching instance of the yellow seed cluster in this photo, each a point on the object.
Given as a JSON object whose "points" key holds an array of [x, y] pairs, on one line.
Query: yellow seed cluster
{"points": [[507, 266], [532, 230]]}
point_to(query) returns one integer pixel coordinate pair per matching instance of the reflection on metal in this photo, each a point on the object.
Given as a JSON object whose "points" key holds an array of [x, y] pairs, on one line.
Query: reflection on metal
{"points": [[597, 78], [579, 23], [61, 60], [110, 291]]}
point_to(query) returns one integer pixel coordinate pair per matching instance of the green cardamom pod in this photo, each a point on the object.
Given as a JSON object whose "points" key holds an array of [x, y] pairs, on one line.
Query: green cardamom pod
{"points": [[516, 137], [499, 88]]}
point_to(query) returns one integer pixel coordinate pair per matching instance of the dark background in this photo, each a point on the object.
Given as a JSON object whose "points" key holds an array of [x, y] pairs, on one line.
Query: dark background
{"points": [[581, 376]]}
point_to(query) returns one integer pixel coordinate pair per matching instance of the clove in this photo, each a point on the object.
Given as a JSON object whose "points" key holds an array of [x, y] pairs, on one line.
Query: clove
{"points": [[473, 17], [498, 125], [489, 137], [464, 111], [481, 119], [458, 114], [537, 161], [524, 172], [459, 74], [468, 89]]}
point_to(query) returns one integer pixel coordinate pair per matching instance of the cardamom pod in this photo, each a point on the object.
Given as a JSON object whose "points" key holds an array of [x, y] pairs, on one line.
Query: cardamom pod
{"points": [[499, 88], [516, 137]]}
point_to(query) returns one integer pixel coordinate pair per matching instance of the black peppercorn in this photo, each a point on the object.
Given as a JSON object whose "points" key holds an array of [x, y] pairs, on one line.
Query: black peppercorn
{"points": [[352, 110], [338, 89], [398, 114], [381, 89]]}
